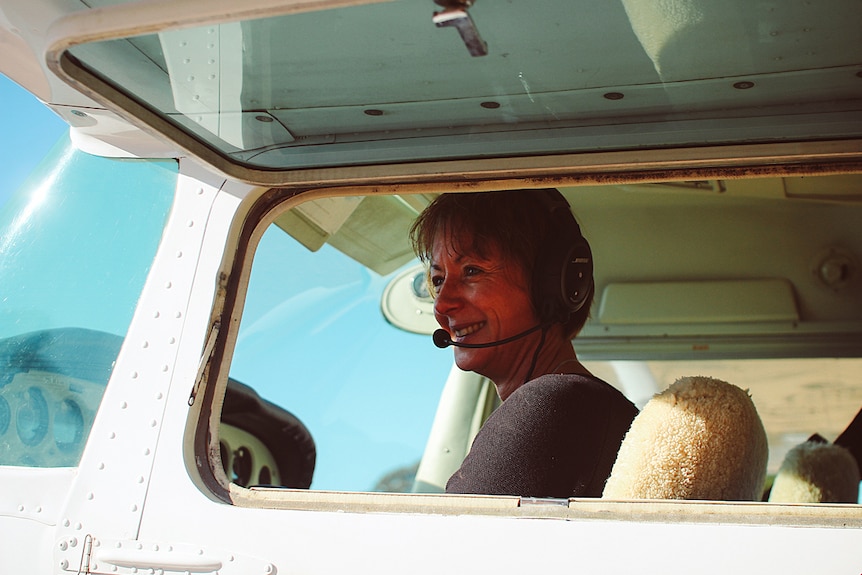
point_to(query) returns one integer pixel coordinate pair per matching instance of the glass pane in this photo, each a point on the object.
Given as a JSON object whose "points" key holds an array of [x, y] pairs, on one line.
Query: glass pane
{"points": [[76, 244], [313, 340], [382, 83]]}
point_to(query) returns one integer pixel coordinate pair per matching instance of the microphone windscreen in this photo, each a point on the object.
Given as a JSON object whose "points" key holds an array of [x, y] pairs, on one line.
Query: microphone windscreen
{"points": [[441, 338]]}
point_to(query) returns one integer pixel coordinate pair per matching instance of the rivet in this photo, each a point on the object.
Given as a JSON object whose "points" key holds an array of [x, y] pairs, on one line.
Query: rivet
{"points": [[172, 340], [139, 546], [63, 546], [159, 395], [64, 564], [20, 508], [66, 523], [145, 344], [78, 526], [490, 105], [187, 60], [165, 368], [745, 85], [73, 542], [112, 435], [190, 79], [140, 479], [156, 315], [154, 423], [90, 496], [123, 405], [373, 112], [179, 255], [134, 375], [133, 508], [101, 466], [211, 61], [179, 315], [264, 119], [211, 77], [614, 96], [200, 191], [190, 223], [156, 547], [146, 451], [168, 285], [79, 113], [38, 510]]}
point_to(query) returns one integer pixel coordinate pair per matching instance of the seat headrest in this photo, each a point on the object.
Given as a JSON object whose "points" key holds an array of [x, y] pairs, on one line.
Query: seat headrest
{"points": [[699, 439], [816, 472]]}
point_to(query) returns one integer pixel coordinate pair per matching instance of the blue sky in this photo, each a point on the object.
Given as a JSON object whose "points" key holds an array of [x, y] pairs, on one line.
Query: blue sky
{"points": [[29, 131]]}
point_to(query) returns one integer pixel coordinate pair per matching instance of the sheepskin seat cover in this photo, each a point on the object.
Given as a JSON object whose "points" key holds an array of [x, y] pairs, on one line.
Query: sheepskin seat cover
{"points": [[699, 439], [817, 472]]}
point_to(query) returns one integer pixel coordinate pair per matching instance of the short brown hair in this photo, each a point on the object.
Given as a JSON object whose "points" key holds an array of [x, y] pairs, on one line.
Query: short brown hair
{"points": [[516, 222]]}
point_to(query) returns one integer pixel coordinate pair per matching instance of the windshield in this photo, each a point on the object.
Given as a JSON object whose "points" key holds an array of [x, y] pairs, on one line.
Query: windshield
{"points": [[76, 244]]}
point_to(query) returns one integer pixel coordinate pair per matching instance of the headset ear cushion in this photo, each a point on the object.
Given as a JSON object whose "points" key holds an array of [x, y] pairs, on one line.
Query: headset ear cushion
{"points": [[563, 277], [577, 276]]}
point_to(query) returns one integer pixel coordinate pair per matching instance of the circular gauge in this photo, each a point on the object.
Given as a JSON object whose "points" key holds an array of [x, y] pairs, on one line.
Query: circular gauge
{"points": [[32, 418], [68, 426], [242, 465], [406, 303]]}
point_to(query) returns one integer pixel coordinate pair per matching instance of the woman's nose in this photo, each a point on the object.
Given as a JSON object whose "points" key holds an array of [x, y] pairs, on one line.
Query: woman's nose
{"points": [[447, 298]]}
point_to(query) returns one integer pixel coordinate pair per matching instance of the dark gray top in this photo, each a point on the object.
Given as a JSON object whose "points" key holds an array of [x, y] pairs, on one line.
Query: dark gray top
{"points": [[555, 436]]}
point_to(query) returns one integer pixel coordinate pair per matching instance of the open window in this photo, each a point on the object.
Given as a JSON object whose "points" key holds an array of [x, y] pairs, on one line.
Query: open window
{"points": [[693, 278]]}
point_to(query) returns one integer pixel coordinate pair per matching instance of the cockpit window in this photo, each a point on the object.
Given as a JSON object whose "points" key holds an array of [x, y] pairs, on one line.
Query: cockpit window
{"points": [[337, 322], [74, 255], [314, 340]]}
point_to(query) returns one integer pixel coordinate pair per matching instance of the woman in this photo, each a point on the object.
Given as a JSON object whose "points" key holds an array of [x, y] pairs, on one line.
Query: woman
{"points": [[512, 280]]}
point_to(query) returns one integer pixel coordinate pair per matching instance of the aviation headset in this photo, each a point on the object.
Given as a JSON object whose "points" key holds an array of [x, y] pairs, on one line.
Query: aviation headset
{"points": [[563, 276]]}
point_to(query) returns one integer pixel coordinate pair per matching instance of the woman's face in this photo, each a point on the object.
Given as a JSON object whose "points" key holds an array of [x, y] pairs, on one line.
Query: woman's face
{"points": [[481, 299]]}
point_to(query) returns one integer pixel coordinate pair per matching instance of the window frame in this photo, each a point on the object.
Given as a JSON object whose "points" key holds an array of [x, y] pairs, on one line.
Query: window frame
{"points": [[263, 205]]}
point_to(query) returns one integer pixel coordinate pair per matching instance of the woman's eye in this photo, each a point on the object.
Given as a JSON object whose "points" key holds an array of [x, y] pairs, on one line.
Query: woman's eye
{"points": [[436, 281], [471, 271]]}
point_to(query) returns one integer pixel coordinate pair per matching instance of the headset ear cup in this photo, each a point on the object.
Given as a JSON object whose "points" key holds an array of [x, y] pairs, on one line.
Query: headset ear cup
{"points": [[577, 277], [563, 278]]}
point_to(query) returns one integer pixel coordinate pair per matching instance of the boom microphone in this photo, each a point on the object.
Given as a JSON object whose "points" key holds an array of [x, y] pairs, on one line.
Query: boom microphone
{"points": [[442, 338]]}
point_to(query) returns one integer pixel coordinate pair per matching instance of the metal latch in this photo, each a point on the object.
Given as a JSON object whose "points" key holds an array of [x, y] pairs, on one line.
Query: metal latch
{"points": [[455, 14]]}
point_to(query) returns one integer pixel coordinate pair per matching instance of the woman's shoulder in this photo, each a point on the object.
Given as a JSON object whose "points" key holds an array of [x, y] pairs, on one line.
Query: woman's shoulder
{"points": [[557, 387], [567, 398]]}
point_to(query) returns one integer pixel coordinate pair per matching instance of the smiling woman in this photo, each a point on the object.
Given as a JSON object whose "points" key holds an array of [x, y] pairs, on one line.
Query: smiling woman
{"points": [[512, 280]]}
